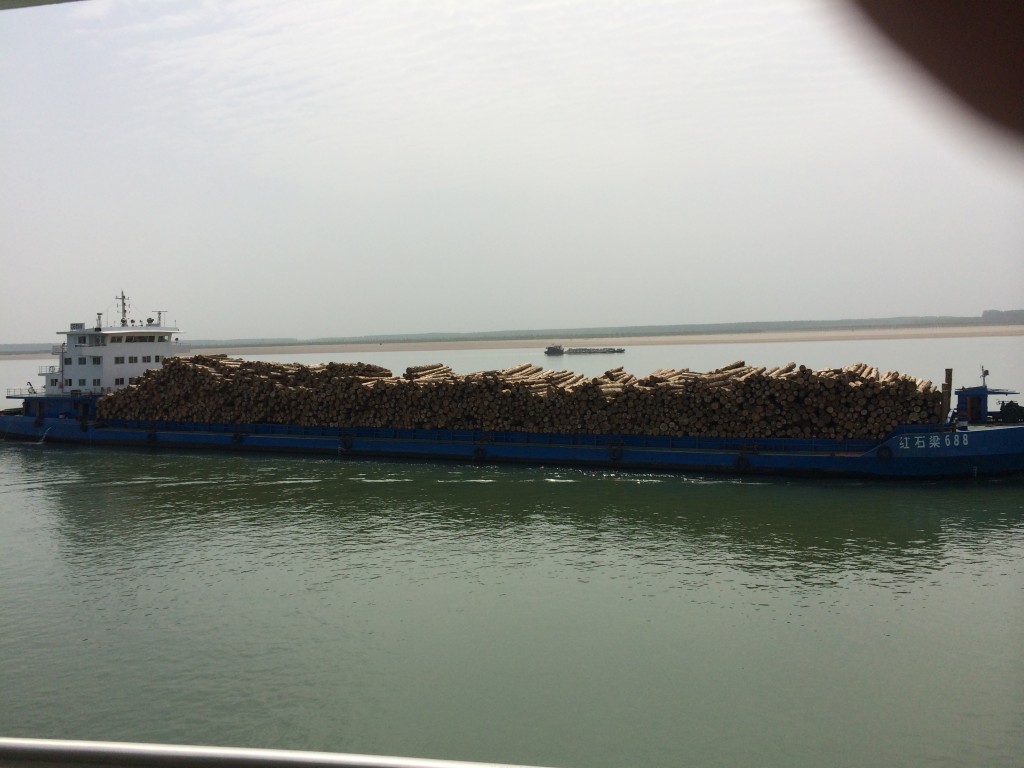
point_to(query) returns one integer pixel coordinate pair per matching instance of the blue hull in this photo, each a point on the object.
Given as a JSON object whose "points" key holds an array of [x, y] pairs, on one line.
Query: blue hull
{"points": [[911, 452]]}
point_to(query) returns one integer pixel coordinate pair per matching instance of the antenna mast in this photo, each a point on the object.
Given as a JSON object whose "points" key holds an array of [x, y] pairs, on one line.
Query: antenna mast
{"points": [[123, 300]]}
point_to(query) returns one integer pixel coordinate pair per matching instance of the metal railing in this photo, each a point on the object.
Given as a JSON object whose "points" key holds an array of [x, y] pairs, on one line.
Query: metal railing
{"points": [[67, 391], [50, 753]]}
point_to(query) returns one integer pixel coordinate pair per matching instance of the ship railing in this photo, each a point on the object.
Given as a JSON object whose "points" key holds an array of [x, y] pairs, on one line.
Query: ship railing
{"points": [[48, 369], [67, 391], [23, 753], [22, 392]]}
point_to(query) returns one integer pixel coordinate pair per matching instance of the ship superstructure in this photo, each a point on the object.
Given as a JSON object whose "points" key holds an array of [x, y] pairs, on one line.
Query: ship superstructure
{"points": [[97, 359]]}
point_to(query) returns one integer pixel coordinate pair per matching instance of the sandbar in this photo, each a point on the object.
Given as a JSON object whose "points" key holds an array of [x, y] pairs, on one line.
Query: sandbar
{"points": [[947, 332], [853, 334]]}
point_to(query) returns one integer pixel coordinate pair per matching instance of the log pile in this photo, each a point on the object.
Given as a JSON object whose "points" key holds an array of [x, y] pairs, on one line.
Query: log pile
{"points": [[736, 400]]}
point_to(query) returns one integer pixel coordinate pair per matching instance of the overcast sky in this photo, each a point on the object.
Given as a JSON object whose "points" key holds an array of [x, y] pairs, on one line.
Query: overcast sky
{"points": [[264, 168]]}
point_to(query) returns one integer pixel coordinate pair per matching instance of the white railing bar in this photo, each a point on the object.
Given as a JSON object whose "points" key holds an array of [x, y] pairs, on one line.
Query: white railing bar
{"points": [[51, 753]]}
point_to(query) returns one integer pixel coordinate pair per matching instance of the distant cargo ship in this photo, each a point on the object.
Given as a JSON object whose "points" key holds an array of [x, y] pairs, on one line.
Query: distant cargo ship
{"points": [[558, 349]]}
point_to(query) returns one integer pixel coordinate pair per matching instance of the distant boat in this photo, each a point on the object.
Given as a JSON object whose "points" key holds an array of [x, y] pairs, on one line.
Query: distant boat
{"points": [[558, 349]]}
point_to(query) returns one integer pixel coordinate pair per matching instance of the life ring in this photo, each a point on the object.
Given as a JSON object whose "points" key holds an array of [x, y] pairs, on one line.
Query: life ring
{"points": [[884, 453]]}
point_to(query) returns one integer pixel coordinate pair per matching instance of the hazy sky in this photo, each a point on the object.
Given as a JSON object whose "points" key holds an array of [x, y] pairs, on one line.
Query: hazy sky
{"points": [[304, 169]]}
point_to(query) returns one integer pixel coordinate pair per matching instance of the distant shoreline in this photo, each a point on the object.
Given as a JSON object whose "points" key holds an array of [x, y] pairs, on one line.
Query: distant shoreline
{"points": [[634, 341], [853, 334]]}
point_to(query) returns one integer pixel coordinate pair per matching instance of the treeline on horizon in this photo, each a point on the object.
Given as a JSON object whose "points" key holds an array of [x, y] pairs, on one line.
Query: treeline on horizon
{"points": [[988, 317]]}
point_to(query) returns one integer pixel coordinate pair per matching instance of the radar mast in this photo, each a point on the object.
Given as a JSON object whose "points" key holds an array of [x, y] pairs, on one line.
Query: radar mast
{"points": [[123, 301]]}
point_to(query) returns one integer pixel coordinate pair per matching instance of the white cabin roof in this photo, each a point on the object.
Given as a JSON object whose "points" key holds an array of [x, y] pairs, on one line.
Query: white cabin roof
{"points": [[119, 329]]}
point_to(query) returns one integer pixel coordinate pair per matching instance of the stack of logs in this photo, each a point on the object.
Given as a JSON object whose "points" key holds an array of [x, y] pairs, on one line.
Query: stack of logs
{"points": [[734, 401]]}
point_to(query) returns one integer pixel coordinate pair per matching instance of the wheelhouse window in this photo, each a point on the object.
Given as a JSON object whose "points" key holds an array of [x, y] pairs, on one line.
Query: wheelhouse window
{"points": [[81, 382], [117, 339], [81, 361], [67, 361], [118, 361], [147, 359], [118, 382], [97, 361], [95, 382], [133, 359], [157, 358]]}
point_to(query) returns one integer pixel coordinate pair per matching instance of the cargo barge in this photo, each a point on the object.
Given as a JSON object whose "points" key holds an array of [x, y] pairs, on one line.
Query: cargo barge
{"points": [[86, 401], [557, 349]]}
